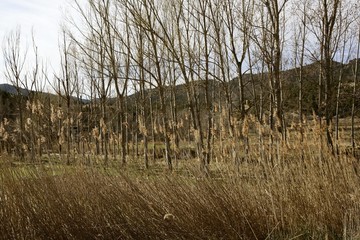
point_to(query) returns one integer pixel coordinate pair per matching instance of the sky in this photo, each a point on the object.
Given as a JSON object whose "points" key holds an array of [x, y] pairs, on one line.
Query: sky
{"points": [[43, 18]]}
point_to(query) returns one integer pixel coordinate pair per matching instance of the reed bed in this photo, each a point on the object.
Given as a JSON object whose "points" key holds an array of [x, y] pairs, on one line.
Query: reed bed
{"points": [[278, 190]]}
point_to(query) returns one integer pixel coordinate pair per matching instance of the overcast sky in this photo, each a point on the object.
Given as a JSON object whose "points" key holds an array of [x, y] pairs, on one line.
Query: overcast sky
{"points": [[43, 16]]}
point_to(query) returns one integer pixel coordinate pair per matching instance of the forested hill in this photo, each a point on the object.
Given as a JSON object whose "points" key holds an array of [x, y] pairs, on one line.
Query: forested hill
{"points": [[256, 91], [8, 88]]}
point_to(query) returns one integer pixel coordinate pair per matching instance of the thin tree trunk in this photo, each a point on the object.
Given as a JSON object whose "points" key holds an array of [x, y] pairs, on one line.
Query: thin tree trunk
{"points": [[353, 145]]}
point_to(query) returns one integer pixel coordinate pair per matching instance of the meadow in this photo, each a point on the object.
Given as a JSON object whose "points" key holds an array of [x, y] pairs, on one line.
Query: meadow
{"points": [[292, 190]]}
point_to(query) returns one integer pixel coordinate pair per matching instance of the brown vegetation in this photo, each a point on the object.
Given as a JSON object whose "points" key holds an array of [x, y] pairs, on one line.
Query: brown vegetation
{"points": [[284, 191]]}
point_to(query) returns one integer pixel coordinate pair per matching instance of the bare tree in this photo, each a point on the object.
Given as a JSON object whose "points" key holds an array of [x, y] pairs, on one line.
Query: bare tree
{"points": [[14, 59], [323, 17], [145, 15], [355, 83], [66, 83], [275, 9], [300, 41], [238, 24]]}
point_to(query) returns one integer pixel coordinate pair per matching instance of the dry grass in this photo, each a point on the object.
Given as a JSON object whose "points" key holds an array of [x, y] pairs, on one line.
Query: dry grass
{"points": [[278, 191]]}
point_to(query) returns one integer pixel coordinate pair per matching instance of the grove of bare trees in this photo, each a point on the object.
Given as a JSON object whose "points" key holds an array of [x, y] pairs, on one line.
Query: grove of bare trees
{"points": [[186, 79]]}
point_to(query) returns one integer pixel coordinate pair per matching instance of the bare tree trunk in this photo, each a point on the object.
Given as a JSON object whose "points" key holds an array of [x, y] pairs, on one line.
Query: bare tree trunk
{"points": [[355, 74], [66, 87], [14, 64], [144, 99], [338, 98], [152, 126], [329, 17]]}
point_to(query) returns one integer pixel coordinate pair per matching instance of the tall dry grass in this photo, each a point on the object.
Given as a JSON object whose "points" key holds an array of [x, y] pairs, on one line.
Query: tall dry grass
{"points": [[279, 190]]}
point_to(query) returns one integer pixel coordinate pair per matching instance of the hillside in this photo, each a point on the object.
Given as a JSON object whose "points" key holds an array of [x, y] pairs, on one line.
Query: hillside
{"points": [[8, 88], [255, 85]]}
